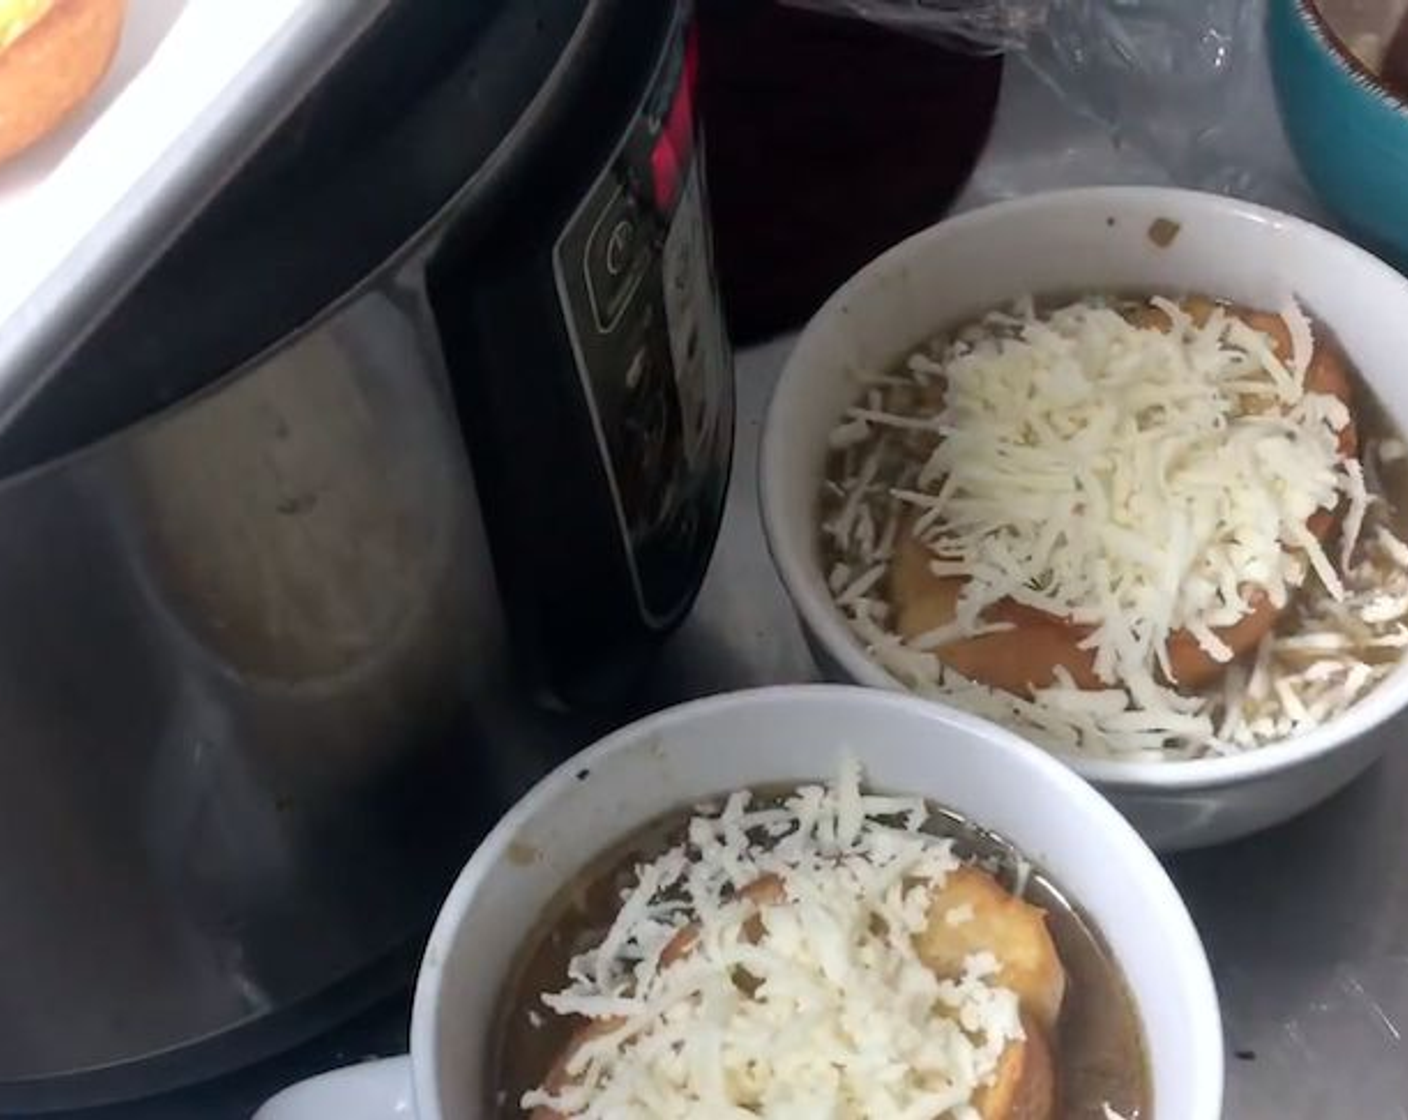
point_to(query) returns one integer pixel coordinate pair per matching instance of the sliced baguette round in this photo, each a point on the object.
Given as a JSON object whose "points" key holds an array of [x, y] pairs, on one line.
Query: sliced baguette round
{"points": [[53, 66]]}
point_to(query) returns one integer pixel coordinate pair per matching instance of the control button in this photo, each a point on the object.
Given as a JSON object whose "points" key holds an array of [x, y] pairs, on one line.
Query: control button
{"points": [[618, 247], [617, 258]]}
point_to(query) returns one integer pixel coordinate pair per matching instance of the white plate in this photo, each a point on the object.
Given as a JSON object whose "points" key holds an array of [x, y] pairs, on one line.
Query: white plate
{"points": [[194, 86]]}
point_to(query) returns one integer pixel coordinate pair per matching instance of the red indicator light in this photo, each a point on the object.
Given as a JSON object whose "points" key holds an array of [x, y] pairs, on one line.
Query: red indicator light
{"points": [[674, 148]]}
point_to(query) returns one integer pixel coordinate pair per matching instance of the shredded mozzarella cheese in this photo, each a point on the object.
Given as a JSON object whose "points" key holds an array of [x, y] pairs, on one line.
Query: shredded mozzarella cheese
{"points": [[838, 1016], [1120, 435], [1139, 482]]}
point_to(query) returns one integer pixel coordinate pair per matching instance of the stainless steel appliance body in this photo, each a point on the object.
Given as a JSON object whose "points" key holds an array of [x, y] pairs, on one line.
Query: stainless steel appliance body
{"points": [[276, 654]]}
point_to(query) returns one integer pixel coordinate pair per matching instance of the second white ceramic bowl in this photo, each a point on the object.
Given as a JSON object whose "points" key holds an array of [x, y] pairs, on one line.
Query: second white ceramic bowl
{"points": [[763, 738], [1066, 243]]}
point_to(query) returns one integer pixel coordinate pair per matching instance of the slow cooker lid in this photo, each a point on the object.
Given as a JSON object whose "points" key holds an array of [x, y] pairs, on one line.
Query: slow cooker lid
{"points": [[406, 119]]}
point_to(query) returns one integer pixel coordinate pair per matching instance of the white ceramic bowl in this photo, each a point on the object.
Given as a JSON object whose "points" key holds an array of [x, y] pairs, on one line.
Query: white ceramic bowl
{"points": [[1065, 243], [789, 734]]}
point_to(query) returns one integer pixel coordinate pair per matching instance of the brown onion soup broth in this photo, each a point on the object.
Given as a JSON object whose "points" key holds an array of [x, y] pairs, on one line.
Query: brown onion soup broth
{"points": [[1099, 1045], [903, 452]]}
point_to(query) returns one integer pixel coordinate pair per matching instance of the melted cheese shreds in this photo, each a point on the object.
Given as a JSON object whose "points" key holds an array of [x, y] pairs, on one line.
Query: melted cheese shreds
{"points": [[1392, 451], [1139, 482], [1125, 436], [1358, 497], [837, 1015], [1302, 338]]}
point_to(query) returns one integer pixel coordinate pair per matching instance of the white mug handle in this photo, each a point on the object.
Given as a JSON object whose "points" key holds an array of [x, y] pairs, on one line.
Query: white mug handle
{"points": [[379, 1090]]}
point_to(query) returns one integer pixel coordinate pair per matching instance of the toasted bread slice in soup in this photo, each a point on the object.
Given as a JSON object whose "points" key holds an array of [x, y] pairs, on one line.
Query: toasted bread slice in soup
{"points": [[1026, 656], [1025, 1087], [971, 913], [765, 892]]}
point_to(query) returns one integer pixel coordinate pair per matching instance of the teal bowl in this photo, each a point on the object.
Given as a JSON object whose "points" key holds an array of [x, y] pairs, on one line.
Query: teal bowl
{"points": [[1349, 132]]}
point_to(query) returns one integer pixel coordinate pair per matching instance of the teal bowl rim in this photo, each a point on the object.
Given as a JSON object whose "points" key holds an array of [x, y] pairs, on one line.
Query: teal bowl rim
{"points": [[1319, 27]]}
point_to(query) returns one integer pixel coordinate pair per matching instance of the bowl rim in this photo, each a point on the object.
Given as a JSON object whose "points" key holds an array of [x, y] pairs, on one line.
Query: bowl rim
{"points": [[813, 602], [1313, 19], [1165, 903]]}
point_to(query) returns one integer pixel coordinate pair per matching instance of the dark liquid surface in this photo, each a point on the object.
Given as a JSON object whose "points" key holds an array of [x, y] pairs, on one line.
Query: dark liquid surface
{"points": [[1099, 1044]]}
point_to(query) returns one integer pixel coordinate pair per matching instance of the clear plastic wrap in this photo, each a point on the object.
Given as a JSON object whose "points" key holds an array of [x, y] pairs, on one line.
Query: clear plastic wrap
{"points": [[1167, 78], [988, 26]]}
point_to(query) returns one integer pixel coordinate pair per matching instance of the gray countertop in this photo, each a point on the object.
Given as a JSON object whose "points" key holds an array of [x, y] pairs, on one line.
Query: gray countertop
{"points": [[1306, 925]]}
